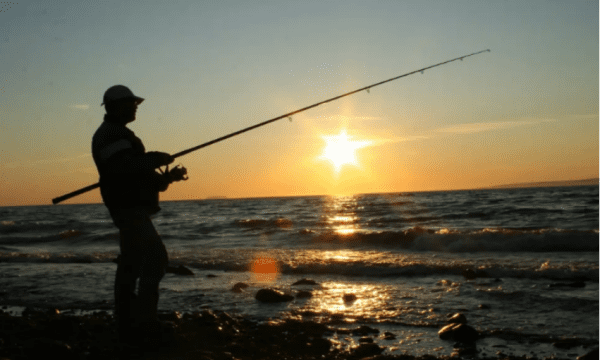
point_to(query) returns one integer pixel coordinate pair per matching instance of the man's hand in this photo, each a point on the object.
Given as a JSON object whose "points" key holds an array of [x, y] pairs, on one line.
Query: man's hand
{"points": [[177, 173], [160, 158]]}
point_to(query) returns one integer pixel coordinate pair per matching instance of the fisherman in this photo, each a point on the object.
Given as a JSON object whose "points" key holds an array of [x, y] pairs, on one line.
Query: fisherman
{"points": [[129, 185]]}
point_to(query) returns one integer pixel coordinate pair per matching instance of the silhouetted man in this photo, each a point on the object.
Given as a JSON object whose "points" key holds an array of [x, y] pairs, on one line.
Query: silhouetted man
{"points": [[129, 185]]}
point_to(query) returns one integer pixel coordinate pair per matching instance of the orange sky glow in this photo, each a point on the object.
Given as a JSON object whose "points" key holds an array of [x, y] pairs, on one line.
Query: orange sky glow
{"points": [[525, 112]]}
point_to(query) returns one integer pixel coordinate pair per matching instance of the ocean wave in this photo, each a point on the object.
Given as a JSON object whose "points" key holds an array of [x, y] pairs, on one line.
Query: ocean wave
{"points": [[264, 223], [472, 240], [391, 268]]}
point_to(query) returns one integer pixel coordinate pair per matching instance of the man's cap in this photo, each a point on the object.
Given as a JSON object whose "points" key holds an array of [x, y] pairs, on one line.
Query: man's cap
{"points": [[118, 92]]}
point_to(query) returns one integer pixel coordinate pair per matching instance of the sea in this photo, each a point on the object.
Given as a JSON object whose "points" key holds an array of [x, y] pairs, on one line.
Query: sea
{"points": [[520, 264]]}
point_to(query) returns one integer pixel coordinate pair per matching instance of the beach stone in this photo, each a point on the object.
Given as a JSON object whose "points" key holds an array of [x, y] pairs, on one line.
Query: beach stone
{"points": [[364, 350], [180, 270], [303, 294], [237, 288], [305, 282], [365, 340], [211, 276], [272, 296], [457, 318], [483, 306]]}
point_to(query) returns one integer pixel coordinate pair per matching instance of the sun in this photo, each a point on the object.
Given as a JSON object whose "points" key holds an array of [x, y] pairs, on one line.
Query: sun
{"points": [[340, 150]]}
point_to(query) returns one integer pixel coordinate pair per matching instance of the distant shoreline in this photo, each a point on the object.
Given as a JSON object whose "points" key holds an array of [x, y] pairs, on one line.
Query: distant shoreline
{"points": [[565, 183], [584, 182]]}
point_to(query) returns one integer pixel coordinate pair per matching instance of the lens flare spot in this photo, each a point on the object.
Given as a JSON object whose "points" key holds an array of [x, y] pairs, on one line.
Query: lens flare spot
{"points": [[264, 269]]}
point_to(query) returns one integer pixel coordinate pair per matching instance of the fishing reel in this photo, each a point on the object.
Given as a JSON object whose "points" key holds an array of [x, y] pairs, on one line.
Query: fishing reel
{"points": [[177, 173]]}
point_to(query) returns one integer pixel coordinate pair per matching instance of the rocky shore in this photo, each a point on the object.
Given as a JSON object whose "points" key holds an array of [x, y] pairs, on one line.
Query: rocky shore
{"points": [[207, 335]]}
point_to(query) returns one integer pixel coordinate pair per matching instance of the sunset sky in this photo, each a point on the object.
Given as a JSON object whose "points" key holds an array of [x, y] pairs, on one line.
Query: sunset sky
{"points": [[525, 112]]}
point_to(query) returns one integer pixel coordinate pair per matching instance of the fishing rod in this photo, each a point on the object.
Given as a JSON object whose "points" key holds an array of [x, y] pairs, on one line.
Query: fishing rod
{"points": [[288, 115]]}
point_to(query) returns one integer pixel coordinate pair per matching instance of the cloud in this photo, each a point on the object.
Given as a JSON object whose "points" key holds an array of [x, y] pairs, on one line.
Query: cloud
{"points": [[80, 106], [479, 127]]}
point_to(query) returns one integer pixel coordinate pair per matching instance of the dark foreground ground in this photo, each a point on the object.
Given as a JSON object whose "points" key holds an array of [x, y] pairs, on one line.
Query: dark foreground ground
{"points": [[208, 335]]}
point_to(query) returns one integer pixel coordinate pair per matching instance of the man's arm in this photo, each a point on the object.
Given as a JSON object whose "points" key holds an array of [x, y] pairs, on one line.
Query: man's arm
{"points": [[120, 157]]}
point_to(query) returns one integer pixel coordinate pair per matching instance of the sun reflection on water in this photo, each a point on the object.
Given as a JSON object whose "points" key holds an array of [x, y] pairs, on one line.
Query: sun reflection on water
{"points": [[350, 302], [339, 215]]}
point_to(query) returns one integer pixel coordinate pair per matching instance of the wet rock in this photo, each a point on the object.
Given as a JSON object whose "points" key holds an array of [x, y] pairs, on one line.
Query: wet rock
{"points": [[457, 318], [364, 350], [211, 276], [459, 332], [483, 307], [471, 274], [180, 270], [589, 356], [365, 340], [465, 349], [305, 282], [444, 283], [46, 348], [318, 346], [237, 288], [303, 294], [343, 331], [173, 316], [349, 297], [566, 343], [445, 333], [388, 336], [576, 284], [365, 330], [272, 296]]}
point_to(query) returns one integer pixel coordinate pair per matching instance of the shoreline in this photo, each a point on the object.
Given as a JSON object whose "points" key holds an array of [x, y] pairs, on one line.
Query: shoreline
{"points": [[217, 335]]}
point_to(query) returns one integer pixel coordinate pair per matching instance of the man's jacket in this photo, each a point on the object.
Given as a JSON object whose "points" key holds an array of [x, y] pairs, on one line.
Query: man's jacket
{"points": [[127, 173]]}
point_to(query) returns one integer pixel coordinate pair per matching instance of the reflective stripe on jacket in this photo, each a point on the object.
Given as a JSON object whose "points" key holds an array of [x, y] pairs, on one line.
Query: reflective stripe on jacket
{"points": [[123, 182]]}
